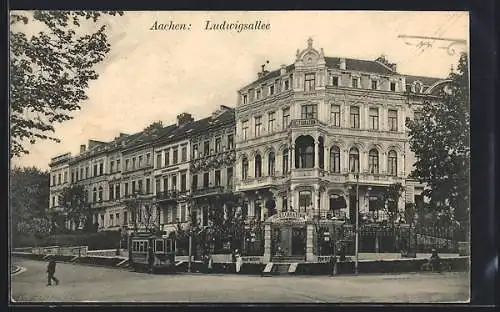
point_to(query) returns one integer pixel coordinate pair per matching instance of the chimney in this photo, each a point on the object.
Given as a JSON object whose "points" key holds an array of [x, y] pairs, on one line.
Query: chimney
{"points": [[342, 64], [82, 148], [283, 70], [184, 118]]}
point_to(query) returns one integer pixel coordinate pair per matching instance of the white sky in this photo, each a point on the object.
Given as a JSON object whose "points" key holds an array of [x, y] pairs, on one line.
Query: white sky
{"points": [[155, 75]]}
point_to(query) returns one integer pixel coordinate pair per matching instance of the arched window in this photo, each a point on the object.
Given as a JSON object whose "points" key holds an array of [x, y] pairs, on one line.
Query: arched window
{"points": [[373, 161], [335, 159], [392, 163], [100, 193], [94, 194], [270, 164], [258, 166], [354, 160], [244, 168], [285, 161], [304, 152]]}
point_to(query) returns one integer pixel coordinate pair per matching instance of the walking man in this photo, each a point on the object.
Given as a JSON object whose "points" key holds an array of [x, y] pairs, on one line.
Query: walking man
{"points": [[51, 270]]}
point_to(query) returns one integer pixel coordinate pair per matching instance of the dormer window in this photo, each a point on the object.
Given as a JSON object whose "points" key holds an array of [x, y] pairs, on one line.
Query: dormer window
{"points": [[355, 82], [335, 81], [393, 86], [245, 99], [374, 84], [418, 87]]}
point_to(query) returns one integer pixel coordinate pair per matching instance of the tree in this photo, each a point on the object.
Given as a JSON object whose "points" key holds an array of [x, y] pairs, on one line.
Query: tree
{"points": [[440, 141], [132, 205], [29, 201], [76, 207], [389, 201], [50, 70]]}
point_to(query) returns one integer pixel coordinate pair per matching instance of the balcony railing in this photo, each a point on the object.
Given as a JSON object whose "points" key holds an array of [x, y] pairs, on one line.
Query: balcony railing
{"points": [[211, 190]]}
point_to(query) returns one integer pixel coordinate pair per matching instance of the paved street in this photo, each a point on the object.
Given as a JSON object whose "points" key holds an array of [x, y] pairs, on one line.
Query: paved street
{"points": [[84, 283]]}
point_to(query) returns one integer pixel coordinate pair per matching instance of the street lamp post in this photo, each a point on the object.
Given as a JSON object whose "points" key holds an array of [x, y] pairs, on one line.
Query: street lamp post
{"points": [[189, 248], [357, 226]]}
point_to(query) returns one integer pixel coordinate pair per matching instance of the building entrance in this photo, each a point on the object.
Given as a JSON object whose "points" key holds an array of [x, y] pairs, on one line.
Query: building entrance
{"points": [[291, 241]]}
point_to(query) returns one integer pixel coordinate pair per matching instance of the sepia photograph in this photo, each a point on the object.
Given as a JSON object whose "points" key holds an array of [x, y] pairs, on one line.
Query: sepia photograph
{"points": [[239, 157]]}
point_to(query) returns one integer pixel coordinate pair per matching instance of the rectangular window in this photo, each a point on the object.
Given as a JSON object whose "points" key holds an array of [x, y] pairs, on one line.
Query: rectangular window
{"points": [[95, 171], [148, 186], [184, 153], [117, 216], [270, 127], [309, 111], [183, 213], [140, 162], [287, 84], [133, 187], [195, 151], [65, 177], [244, 127], [81, 174], [258, 94], [393, 120], [354, 114], [59, 178], [117, 191], [183, 182], [101, 168], [206, 148], [174, 182], [355, 82], [54, 178], [310, 82], [72, 177], [218, 145], [230, 142], [157, 186], [148, 159], [175, 156], [245, 99], [111, 219], [167, 158], [125, 218], [133, 163], [165, 184], [373, 118], [229, 176], [111, 192], [126, 189], [271, 89], [258, 125], [118, 165], [374, 84], [393, 86], [305, 201], [335, 115], [194, 182], [140, 187], [335, 81], [286, 118], [217, 177], [158, 160], [206, 179], [111, 166]]}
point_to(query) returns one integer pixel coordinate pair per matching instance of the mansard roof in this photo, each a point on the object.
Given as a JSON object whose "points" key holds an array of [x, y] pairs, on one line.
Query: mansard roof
{"points": [[359, 65]]}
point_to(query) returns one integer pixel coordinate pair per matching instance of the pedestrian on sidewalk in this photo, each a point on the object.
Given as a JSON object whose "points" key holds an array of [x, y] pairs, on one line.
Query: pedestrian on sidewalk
{"points": [[51, 270]]}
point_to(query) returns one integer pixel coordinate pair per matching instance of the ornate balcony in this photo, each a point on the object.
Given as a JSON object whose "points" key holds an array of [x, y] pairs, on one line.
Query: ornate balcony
{"points": [[208, 191], [372, 178], [170, 196]]}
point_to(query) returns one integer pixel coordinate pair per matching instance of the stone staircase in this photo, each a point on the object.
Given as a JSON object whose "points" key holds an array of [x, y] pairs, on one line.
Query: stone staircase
{"points": [[280, 268]]}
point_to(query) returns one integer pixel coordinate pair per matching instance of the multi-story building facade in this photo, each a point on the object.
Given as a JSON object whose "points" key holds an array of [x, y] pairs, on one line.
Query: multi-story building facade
{"points": [[323, 135], [59, 179]]}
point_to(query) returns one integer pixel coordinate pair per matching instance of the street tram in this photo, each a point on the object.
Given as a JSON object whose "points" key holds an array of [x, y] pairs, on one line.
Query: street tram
{"points": [[163, 249]]}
